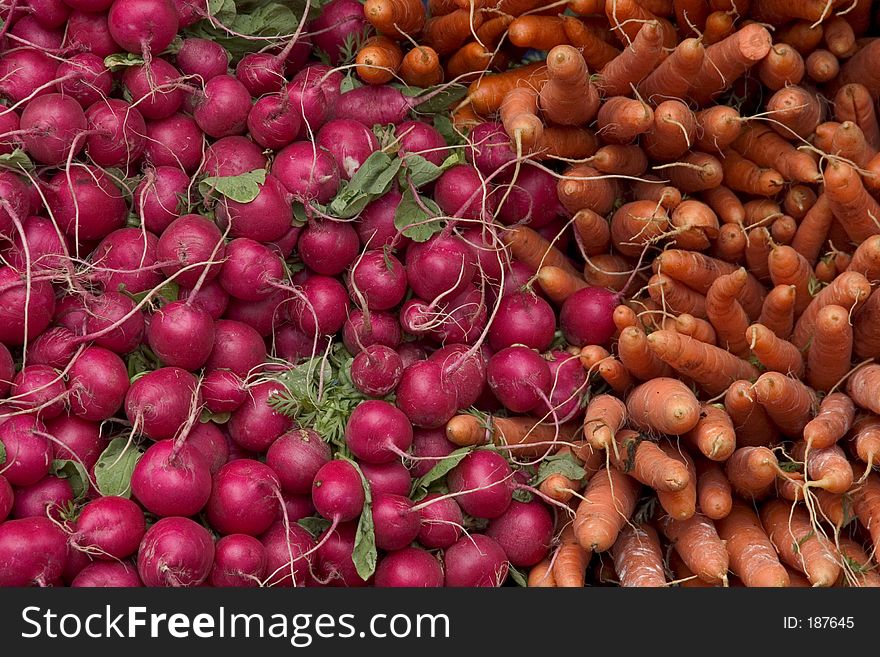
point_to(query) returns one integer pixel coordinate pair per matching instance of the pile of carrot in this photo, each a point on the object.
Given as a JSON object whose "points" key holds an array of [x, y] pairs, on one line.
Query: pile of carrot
{"points": [[719, 162]]}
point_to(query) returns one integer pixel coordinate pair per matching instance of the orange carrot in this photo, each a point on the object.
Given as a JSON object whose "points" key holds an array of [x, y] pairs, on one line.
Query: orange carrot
{"points": [[780, 11], [396, 18], [609, 500], [862, 387], [690, 16], [672, 133], [803, 36], [827, 468], [696, 328], [558, 284], [713, 436], [866, 504], [663, 405], [596, 52], [564, 142], [788, 402], [834, 419], [751, 422], [608, 270], [650, 188], [466, 430], [568, 97], [441, 7], [638, 557], [866, 259], [519, 116], [796, 111], [680, 504], [725, 203], [672, 77], [675, 297], [866, 337], [448, 33], [713, 490], [637, 357], [767, 149], [697, 542], [798, 544], [839, 36], [745, 176], [634, 64], [849, 142], [782, 66], [541, 575], [726, 314], [570, 566], [862, 68], [777, 313], [717, 128], [622, 159], [727, 60], [615, 375], [636, 224], [582, 186], [719, 26], [774, 353], [798, 201], [752, 471], [487, 93], [813, 229], [604, 417], [490, 32], [822, 66], [849, 290], [752, 556], [731, 243], [851, 204], [864, 571], [758, 252], [469, 61], [592, 231], [558, 487], [853, 102], [628, 16], [696, 172], [788, 267], [538, 32], [865, 439], [421, 67], [378, 60], [530, 248], [830, 349], [621, 119], [625, 317], [527, 437]]}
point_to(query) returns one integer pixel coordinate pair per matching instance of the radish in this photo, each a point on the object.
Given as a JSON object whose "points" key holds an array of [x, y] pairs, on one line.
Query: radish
{"points": [[328, 247], [250, 270], [461, 192], [321, 307], [430, 446], [426, 395], [237, 348], [380, 278], [464, 317], [489, 257], [175, 552], [334, 565], [222, 108], [55, 347], [489, 148], [409, 567], [523, 318], [296, 457], [243, 498], [422, 139], [311, 98], [15, 196], [376, 370], [440, 266], [188, 245], [7, 370], [48, 497], [175, 141], [263, 219], [160, 402], [51, 125], [117, 133], [475, 560], [483, 483], [360, 332], [308, 172], [29, 30], [143, 26], [272, 121], [85, 203], [239, 561], [76, 562], [370, 105], [104, 574], [337, 492], [464, 369], [76, 439], [169, 481], [7, 499], [255, 425], [32, 551], [181, 335], [222, 390], [524, 532], [396, 524], [532, 199], [337, 22], [349, 142], [203, 58], [375, 226], [49, 13], [90, 33], [391, 477], [518, 279], [293, 345], [207, 439], [261, 72], [93, 6], [210, 297], [297, 507], [98, 383], [233, 156], [441, 521], [109, 528], [568, 385], [586, 316], [155, 90], [378, 432], [87, 79], [9, 125], [264, 315], [285, 563], [40, 388], [24, 71], [28, 453], [189, 12], [126, 258], [519, 377], [161, 197], [114, 321]]}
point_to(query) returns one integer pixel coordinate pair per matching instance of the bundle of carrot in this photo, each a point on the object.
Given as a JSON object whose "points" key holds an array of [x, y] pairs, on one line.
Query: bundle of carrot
{"points": [[716, 278]]}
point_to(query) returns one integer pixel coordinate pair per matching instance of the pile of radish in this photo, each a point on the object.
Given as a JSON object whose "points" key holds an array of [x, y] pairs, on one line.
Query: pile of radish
{"points": [[276, 311]]}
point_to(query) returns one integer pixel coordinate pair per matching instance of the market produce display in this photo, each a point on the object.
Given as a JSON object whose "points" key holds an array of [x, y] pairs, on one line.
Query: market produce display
{"points": [[465, 293]]}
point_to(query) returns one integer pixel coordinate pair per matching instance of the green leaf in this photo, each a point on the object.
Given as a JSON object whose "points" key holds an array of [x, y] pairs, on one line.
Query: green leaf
{"points": [[364, 554], [412, 219], [2, 453], [75, 474], [114, 467], [563, 464], [314, 525], [522, 495], [420, 486], [300, 218], [141, 361], [119, 61], [372, 180], [517, 576], [796, 546], [420, 170], [216, 418], [16, 160], [348, 83], [243, 188], [443, 124], [439, 101]]}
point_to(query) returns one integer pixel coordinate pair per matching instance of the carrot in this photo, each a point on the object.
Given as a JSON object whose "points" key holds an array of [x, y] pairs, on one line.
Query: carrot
{"points": [[752, 471], [767, 149], [664, 8], [421, 67], [541, 575], [710, 367], [782, 230], [859, 16], [636, 224], [637, 357], [663, 405], [684, 577], [862, 68], [672, 133], [782, 66], [396, 18], [621, 119], [696, 172], [559, 284], [777, 313], [490, 32], [608, 270], [564, 142], [582, 186], [726, 314], [745, 176], [696, 328], [788, 402], [530, 248], [596, 52], [758, 253], [625, 317], [615, 375], [822, 66], [813, 229], [638, 557], [827, 468], [622, 159], [778, 12], [865, 439], [866, 259], [797, 110], [730, 244], [519, 116], [798, 544], [851, 204], [466, 430], [862, 387], [628, 16], [378, 60], [728, 59], [849, 290], [570, 566], [839, 36], [864, 571], [849, 142], [752, 556], [866, 337], [788, 267], [832, 422], [527, 437], [650, 188], [441, 7], [798, 201], [672, 77], [751, 422], [608, 502], [761, 212], [516, 7], [774, 353], [853, 102], [697, 543], [558, 487], [714, 436], [825, 271], [866, 505], [803, 36], [604, 417], [464, 118], [568, 97], [713, 490], [634, 64], [468, 61], [446, 34], [717, 127], [487, 93], [719, 26], [538, 32], [830, 349], [725, 204], [592, 230], [675, 297], [690, 16]]}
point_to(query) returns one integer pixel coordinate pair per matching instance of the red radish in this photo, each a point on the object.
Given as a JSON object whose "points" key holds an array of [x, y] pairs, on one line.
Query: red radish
{"points": [[337, 492], [422, 139], [90, 79], [174, 141], [237, 348], [489, 148], [86, 205], [426, 394], [586, 316], [307, 172], [255, 425], [296, 457], [223, 107], [349, 142], [117, 133], [117, 312], [524, 532], [25, 70], [322, 307], [77, 439], [475, 560], [338, 20], [175, 552], [33, 551], [376, 370], [461, 192], [523, 318], [376, 227], [109, 528], [189, 244], [328, 247], [519, 377], [51, 124], [359, 332], [39, 387], [239, 561], [233, 156], [285, 565], [222, 390], [334, 563], [89, 32], [484, 484], [7, 499], [181, 335], [48, 497], [202, 57], [143, 26], [409, 567], [160, 402], [396, 524], [243, 498], [464, 369], [126, 257], [440, 266], [391, 477], [293, 345], [272, 122], [161, 197], [158, 93], [250, 270], [106, 574], [171, 482], [378, 432], [264, 219], [441, 522]]}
